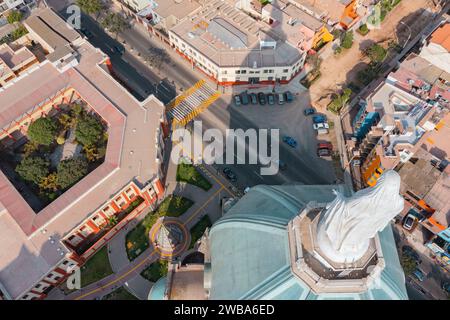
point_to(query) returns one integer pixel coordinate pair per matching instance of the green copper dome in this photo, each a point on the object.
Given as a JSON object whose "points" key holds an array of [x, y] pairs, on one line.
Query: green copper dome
{"points": [[250, 256]]}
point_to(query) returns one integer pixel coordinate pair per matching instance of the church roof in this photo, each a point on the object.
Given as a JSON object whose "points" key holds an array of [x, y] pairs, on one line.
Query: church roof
{"points": [[250, 252]]}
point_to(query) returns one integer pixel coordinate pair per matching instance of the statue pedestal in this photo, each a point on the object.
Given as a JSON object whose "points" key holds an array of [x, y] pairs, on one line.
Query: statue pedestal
{"points": [[318, 268]]}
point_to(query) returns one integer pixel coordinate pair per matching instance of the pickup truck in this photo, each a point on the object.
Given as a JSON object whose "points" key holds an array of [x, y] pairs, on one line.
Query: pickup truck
{"points": [[322, 125]]}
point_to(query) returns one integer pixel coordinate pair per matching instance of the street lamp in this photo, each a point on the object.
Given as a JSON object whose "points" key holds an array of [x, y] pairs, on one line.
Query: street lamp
{"points": [[410, 33]]}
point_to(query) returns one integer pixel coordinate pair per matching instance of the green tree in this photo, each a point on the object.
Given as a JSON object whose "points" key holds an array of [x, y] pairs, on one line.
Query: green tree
{"points": [[29, 148], [157, 57], [70, 171], [90, 6], [89, 130], [408, 264], [340, 101], [314, 61], [49, 182], [18, 33], [376, 53], [347, 41], [14, 16], [115, 23], [42, 131], [33, 169]]}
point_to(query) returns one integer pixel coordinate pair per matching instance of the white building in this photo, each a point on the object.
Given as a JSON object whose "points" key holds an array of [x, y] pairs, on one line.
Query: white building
{"points": [[233, 48]]}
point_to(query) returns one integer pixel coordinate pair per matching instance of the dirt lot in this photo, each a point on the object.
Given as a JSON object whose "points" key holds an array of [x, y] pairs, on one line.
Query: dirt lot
{"points": [[407, 18]]}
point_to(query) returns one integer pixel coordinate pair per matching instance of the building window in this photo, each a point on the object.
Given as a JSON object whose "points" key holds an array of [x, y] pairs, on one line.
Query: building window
{"points": [[286, 70], [266, 71], [243, 71], [238, 71], [224, 72]]}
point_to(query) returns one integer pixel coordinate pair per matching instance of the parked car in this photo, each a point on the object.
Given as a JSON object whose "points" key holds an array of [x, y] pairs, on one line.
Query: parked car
{"points": [[280, 98], [288, 96], [409, 222], [246, 190], [419, 275], [271, 98], [320, 118], [237, 100], [262, 98], [253, 98], [229, 174], [86, 32], [325, 145], [324, 152], [309, 111], [244, 98], [290, 141], [408, 251], [118, 49], [322, 125]]}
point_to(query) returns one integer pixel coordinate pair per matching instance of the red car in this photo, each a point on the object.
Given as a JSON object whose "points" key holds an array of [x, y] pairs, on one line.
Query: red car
{"points": [[325, 145]]}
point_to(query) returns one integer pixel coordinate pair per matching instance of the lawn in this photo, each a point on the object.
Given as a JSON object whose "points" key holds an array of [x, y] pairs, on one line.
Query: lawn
{"points": [[155, 271], [198, 230], [188, 173], [119, 294], [137, 240], [96, 268]]}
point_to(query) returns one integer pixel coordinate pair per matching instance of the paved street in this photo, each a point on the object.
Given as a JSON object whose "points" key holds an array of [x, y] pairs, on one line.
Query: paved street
{"points": [[303, 166], [430, 288]]}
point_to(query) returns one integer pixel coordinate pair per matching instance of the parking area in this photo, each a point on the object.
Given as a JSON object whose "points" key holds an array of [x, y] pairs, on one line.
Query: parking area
{"points": [[299, 162]]}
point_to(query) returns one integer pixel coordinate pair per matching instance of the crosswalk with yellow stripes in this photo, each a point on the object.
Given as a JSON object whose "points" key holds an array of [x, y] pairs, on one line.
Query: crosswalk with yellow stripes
{"points": [[191, 103]]}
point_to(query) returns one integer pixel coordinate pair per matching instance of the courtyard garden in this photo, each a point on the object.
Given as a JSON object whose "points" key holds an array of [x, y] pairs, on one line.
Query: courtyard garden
{"points": [[156, 270], [186, 172], [96, 268], [57, 151], [137, 240], [198, 229], [119, 294]]}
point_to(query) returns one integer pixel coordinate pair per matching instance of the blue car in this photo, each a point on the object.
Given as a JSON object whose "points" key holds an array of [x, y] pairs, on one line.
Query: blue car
{"points": [[290, 141], [419, 275], [319, 119], [309, 111]]}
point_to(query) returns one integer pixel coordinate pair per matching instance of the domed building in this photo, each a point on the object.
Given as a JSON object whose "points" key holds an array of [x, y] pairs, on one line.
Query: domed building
{"points": [[269, 246]]}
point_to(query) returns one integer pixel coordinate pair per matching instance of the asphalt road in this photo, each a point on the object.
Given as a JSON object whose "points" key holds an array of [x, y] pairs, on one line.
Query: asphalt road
{"points": [[303, 166]]}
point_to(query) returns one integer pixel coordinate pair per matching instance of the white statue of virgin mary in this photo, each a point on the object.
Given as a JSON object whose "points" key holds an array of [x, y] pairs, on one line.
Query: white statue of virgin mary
{"points": [[348, 224]]}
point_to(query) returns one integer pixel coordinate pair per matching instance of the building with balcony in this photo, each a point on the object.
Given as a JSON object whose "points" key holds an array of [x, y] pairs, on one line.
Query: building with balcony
{"points": [[39, 248], [231, 47], [291, 21], [344, 13], [6, 5], [14, 63]]}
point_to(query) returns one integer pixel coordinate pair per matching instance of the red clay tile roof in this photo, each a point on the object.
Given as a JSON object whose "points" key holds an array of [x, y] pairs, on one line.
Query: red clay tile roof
{"points": [[442, 36]]}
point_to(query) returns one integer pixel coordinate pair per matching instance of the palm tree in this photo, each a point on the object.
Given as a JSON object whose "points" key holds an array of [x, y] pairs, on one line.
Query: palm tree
{"points": [[112, 221]]}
